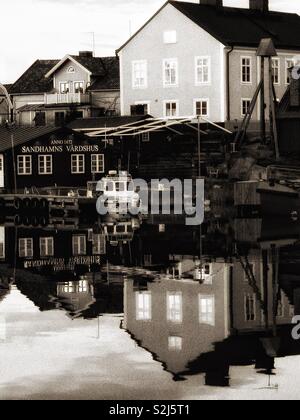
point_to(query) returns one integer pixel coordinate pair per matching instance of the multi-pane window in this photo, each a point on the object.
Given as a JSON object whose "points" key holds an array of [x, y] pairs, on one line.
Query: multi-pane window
{"points": [[276, 71], [175, 343], [79, 245], [139, 74], [170, 72], [145, 137], [207, 310], [201, 107], [69, 287], [171, 109], [97, 164], [64, 87], [202, 70], [143, 306], [245, 106], [83, 286], [250, 307], [246, 70], [45, 165], [78, 87], [25, 247], [99, 244], [289, 64], [46, 247], [25, 165], [174, 307], [77, 164]]}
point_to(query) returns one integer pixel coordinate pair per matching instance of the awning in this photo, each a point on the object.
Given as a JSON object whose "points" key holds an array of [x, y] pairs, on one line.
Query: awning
{"points": [[150, 125]]}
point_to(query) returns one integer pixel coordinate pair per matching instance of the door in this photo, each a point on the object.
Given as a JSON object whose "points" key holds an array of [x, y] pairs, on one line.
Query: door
{"points": [[1, 171]]}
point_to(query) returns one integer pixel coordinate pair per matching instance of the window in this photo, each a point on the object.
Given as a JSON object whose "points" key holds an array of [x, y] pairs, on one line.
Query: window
{"points": [[64, 88], [83, 286], [140, 108], [97, 164], [69, 287], [175, 343], [99, 244], [46, 247], [79, 245], [289, 64], [40, 119], [143, 306], [139, 74], [170, 72], [201, 107], [78, 87], [25, 165], [170, 37], [71, 69], [245, 106], [276, 71], [77, 164], [45, 165], [171, 108], [59, 119], [174, 307], [250, 307], [246, 70], [203, 70], [145, 137], [25, 247], [207, 310]]}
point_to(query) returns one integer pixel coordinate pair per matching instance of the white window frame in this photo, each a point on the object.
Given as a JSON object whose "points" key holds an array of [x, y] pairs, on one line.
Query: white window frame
{"points": [[48, 244], [102, 161], [277, 67], [286, 74], [251, 70], [134, 79], [74, 84], [166, 83], [252, 296], [22, 158], [202, 82], [202, 100], [64, 83], [174, 312], [42, 160], [99, 244], [207, 318], [170, 37], [175, 343], [242, 103], [143, 306], [71, 70], [28, 247], [77, 171], [148, 103], [77, 248], [173, 101]]}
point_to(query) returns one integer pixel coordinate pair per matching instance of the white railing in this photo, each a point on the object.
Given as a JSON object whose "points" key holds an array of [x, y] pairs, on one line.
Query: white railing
{"points": [[66, 98]]}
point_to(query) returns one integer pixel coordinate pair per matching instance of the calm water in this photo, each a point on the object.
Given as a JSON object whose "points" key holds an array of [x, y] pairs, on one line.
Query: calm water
{"points": [[152, 309]]}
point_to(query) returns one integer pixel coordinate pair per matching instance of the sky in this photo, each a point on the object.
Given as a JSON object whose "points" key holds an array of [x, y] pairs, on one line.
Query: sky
{"points": [[50, 29]]}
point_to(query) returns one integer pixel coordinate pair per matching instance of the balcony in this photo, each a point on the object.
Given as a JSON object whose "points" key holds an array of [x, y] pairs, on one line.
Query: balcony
{"points": [[66, 98]]}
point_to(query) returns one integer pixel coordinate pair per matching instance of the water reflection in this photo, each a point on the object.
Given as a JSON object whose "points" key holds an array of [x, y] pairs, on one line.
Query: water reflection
{"points": [[200, 301]]}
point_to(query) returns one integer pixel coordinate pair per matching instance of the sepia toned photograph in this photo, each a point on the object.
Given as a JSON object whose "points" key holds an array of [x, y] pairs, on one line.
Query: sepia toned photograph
{"points": [[149, 203]]}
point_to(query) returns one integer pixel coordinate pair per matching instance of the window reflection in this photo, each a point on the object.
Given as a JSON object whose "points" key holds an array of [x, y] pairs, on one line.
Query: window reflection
{"points": [[175, 343], [143, 306], [174, 307], [207, 309]]}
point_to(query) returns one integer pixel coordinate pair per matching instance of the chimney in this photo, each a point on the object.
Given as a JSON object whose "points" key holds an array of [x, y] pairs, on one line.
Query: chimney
{"points": [[260, 5], [86, 54], [215, 3]]}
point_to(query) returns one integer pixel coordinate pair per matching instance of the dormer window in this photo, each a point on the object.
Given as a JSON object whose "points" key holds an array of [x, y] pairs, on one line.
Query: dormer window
{"points": [[71, 69]]}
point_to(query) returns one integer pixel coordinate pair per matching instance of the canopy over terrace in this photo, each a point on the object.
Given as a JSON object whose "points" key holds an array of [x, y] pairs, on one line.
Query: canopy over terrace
{"points": [[133, 126]]}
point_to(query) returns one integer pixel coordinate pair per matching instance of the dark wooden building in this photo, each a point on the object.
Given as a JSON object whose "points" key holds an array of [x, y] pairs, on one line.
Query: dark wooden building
{"points": [[46, 157], [288, 121]]}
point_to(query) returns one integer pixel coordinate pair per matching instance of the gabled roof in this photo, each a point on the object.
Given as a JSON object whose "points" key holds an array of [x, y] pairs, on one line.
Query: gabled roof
{"points": [[22, 135], [240, 27], [33, 80]]}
